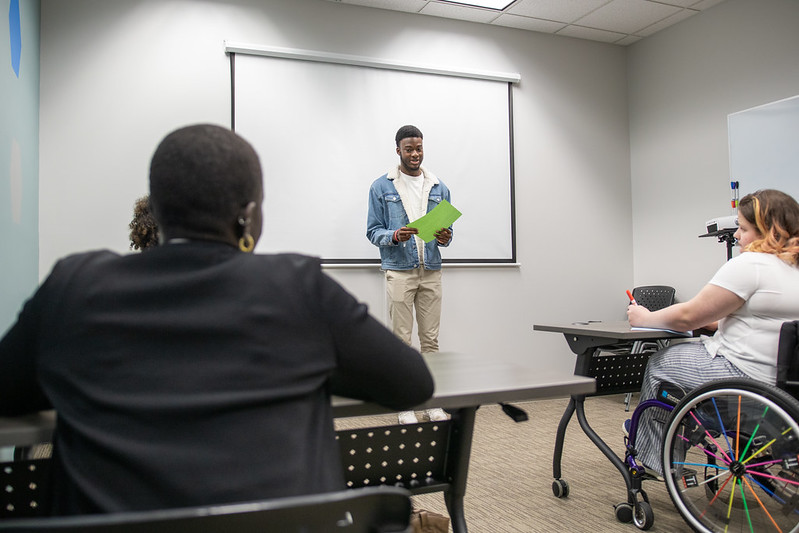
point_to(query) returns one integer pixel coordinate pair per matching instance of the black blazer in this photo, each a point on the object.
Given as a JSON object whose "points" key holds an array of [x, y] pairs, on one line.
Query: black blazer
{"points": [[195, 374]]}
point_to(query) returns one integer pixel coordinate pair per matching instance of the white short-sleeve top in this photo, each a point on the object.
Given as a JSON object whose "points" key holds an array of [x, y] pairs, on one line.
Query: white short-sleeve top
{"points": [[748, 337]]}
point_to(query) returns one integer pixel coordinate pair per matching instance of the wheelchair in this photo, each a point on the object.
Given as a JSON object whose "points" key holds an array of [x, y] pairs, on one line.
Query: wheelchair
{"points": [[730, 452]]}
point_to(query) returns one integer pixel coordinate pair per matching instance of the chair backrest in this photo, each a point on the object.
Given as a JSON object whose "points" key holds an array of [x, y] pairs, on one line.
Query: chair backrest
{"points": [[369, 510], [788, 358], [654, 297], [415, 456], [25, 488]]}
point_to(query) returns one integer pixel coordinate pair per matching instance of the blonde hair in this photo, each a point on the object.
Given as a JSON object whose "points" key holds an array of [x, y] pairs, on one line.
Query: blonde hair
{"points": [[776, 217]]}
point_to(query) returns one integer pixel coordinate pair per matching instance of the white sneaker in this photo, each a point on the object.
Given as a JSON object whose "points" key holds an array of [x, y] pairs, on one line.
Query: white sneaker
{"points": [[407, 417], [437, 414]]}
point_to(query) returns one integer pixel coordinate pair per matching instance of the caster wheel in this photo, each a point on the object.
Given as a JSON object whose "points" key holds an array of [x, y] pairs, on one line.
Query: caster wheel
{"points": [[643, 517], [624, 512], [560, 488]]}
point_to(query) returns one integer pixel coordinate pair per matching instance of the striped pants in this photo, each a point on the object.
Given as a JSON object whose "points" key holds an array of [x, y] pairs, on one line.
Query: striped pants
{"points": [[688, 365]]}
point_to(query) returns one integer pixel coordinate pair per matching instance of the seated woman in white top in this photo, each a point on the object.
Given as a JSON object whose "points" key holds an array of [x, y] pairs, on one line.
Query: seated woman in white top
{"points": [[749, 297]]}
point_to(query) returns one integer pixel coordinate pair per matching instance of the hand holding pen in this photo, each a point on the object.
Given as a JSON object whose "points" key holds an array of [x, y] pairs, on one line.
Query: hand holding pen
{"points": [[636, 314], [630, 296]]}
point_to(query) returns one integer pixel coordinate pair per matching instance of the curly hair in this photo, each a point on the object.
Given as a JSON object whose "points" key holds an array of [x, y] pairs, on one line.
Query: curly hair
{"points": [[776, 217], [143, 227]]}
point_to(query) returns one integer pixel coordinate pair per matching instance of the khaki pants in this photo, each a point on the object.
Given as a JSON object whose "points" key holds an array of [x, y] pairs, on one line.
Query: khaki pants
{"points": [[420, 288]]}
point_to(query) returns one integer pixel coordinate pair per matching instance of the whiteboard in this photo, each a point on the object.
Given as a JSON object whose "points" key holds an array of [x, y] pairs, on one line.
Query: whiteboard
{"points": [[764, 147], [325, 132]]}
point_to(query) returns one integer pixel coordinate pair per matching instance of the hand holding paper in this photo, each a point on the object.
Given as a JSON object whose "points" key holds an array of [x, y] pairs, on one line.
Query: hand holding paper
{"points": [[443, 236], [404, 233], [441, 217]]}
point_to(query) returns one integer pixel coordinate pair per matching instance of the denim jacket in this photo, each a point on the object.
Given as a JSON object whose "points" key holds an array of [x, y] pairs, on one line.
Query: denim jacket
{"points": [[387, 214]]}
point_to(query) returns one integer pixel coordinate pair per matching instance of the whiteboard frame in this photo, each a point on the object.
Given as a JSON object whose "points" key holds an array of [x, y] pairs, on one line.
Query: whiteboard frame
{"points": [[233, 47]]}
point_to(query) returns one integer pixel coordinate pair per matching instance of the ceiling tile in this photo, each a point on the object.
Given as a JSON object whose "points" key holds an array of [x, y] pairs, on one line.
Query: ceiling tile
{"points": [[410, 6], [499, 5], [622, 22], [666, 22], [679, 3], [528, 23], [630, 39], [591, 34], [453, 11], [557, 10], [627, 16], [704, 4]]}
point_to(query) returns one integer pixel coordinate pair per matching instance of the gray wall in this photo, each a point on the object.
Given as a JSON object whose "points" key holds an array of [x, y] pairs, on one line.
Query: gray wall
{"points": [[117, 76], [684, 81], [617, 148]]}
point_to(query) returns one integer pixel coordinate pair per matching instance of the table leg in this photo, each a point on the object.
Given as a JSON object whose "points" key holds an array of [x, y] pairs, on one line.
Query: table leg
{"points": [[603, 447], [581, 365], [585, 349], [460, 450], [560, 436]]}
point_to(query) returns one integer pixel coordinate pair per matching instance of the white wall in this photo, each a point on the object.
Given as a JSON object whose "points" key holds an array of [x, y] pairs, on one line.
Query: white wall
{"points": [[118, 75], [684, 81]]}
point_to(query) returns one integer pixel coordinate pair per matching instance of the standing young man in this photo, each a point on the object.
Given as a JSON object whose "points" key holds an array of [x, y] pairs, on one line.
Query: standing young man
{"points": [[412, 267]]}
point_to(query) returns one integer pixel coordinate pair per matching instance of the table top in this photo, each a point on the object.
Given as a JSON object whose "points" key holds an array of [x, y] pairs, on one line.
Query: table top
{"points": [[464, 380], [461, 380], [611, 329], [27, 430]]}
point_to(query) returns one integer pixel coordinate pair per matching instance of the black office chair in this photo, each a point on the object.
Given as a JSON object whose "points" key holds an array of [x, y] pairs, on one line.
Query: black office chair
{"points": [[654, 298], [369, 510], [788, 358], [619, 368]]}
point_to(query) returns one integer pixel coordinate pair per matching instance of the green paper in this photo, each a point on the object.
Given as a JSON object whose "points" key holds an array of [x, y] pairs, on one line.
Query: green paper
{"points": [[442, 216]]}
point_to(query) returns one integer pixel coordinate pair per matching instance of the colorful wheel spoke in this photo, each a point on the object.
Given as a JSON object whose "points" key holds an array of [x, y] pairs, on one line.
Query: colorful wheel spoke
{"points": [[754, 433], [709, 453], [763, 474], [722, 426], [732, 455], [715, 497], [712, 439], [771, 518], [770, 462], [729, 506], [746, 507], [738, 428], [765, 489], [766, 446]]}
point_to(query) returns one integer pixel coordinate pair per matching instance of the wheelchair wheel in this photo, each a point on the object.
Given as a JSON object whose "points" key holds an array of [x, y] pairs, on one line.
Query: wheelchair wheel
{"points": [[731, 458]]}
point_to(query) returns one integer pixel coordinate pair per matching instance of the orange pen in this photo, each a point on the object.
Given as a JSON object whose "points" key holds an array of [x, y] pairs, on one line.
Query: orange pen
{"points": [[630, 296]]}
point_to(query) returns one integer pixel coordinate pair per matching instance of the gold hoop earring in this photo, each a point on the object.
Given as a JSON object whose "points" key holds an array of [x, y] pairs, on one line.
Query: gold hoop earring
{"points": [[246, 243]]}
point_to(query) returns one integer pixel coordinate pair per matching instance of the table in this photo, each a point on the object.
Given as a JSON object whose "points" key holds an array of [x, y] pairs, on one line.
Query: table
{"points": [[586, 339], [463, 383], [27, 430]]}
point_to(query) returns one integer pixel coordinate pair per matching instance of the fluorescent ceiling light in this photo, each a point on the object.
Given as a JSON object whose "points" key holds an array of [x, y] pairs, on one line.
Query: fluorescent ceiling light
{"points": [[499, 5]]}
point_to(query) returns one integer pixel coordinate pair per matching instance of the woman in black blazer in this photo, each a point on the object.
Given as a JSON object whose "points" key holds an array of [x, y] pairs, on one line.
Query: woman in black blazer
{"points": [[198, 373]]}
